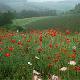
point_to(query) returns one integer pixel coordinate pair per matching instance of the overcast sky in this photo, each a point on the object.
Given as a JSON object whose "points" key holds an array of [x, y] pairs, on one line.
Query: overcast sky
{"points": [[43, 0]]}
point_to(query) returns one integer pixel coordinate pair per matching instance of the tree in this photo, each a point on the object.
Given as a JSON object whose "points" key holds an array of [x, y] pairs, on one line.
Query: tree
{"points": [[6, 18]]}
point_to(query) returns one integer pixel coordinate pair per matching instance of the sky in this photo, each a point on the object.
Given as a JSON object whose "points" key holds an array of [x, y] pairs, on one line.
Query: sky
{"points": [[43, 0]]}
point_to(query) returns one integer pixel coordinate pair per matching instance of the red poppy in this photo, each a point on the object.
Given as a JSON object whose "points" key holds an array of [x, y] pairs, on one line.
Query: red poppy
{"points": [[19, 43], [74, 50], [11, 48], [56, 45], [28, 40], [73, 55], [50, 45], [76, 32], [13, 41], [1, 42], [77, 68], [7, 54], [68, 40], [40, 38], [67, 32], [54, 33], [50, 65], [1, 49]]}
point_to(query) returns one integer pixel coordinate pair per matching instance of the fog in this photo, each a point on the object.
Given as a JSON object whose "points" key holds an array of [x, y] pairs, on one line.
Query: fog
{"points": [[19, 5]]}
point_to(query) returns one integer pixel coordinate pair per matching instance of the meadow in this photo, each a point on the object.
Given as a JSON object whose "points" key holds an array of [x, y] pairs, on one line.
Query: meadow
{"points": [[47, 51], [61, 23], [49, 45]]}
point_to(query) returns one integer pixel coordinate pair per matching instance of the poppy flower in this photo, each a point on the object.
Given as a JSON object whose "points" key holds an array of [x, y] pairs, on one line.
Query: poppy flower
{"points": [[1, 42], [73, 56], [11, 48], [53, 33], [76, 32], [77, 68], [56, 45], [19, 43], [1, 49], [50, 45], [68, 41], [7, 54], [40, 38], [28, 40], [67, 32], [50, 65], [13, 41]]}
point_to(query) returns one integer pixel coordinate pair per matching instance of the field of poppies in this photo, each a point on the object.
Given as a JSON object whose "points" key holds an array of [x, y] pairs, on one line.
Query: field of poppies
{"points": [[49, 52]]}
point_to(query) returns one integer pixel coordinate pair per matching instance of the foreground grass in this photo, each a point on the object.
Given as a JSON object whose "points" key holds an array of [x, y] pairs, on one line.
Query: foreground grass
{"points": [[46, 51]]}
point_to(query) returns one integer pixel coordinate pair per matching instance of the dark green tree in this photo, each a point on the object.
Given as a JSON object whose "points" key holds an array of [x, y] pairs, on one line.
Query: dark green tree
{"points": [[6, 18]]}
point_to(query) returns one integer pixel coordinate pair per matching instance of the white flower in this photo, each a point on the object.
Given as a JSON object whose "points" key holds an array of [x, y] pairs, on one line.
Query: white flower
{"points": [[72, 63], [39, 79], [55, 77], [35, 72], [17, 31], [74, 47], [29, 63], [36, 57], [63, 69], [35, 77]]}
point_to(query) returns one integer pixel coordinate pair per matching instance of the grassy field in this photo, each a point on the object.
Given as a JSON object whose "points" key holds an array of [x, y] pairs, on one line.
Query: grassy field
{"points": [[43, 49], [71, 22]]}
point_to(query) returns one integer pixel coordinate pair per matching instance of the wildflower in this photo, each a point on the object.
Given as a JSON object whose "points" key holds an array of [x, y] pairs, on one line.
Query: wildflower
{"points": [[1, 42], [77, 68], [17, 31], [35, 72], [68, 40], [73, 55], [30, 63], [7, 54], [63, 69], [28, 40], [36, 57], [11, 48], [74, 47], [72, 63], [54, 33], [55, 77], [50, 45], [36, 75], [56, 45], [74, 50], [50, 65], [13, 40], [1, 49], [19, 42], [67, 32], [76, 32], [40, 38]]}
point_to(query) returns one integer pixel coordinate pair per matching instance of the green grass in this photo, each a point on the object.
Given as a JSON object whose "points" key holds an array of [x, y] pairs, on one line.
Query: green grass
{"points": [[25, 21], [16, 67]]}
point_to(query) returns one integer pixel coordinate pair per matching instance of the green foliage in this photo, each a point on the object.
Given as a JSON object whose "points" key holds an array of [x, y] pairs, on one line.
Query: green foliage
{"points": [[32, 13], [6, 18]]}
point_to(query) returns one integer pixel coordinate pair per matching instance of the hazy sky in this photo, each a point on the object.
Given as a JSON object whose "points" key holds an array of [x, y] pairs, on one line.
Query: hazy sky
{"points": [[44, 0]]}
